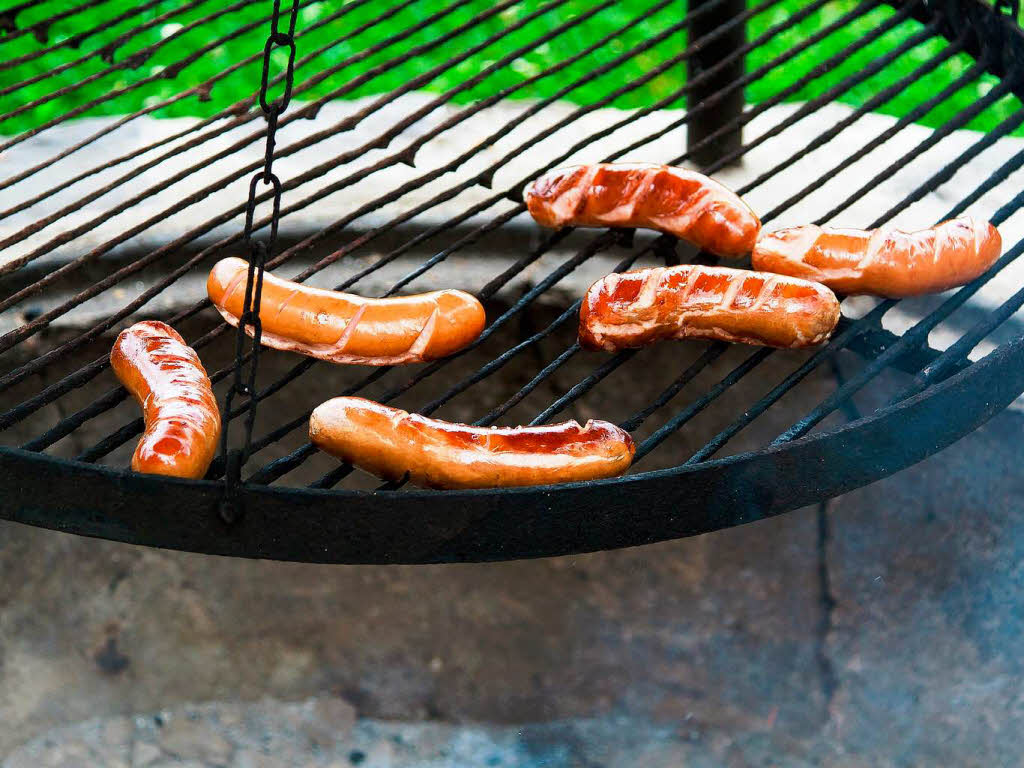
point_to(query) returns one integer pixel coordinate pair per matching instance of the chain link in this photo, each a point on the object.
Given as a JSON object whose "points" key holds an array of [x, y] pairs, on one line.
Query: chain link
{"points": [[244, 380]]}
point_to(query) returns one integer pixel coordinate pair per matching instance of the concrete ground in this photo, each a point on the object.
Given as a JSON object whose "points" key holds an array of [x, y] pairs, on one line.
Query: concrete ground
{"points": [[881, 629]]}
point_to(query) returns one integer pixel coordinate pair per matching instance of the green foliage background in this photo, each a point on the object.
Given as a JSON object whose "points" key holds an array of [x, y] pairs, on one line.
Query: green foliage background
{"points": [[171, 39]]}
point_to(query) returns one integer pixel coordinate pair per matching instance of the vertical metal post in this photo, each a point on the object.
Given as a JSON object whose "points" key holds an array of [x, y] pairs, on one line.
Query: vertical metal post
{"points": [[731, 106]]}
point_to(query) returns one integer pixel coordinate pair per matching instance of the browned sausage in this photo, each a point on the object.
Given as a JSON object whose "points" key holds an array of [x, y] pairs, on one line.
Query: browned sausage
{"points": [[182, 420], [882, 262], [689, 301], [673, 200], [390, 442], [343, 328]]}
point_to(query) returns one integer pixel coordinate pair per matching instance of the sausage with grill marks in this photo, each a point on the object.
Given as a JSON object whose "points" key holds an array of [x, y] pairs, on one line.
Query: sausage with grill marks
{"points": [[343, 328], [660, 197], [637, 308], [883, 262], [389, 443], [182, 420]]}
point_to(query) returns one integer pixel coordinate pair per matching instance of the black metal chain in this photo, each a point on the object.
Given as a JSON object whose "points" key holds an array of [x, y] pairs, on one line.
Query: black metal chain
{"points": [[244, 383]]}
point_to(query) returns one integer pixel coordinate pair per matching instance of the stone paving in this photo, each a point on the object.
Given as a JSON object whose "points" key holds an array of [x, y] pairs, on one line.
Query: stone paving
{"points": [[324, 733]]}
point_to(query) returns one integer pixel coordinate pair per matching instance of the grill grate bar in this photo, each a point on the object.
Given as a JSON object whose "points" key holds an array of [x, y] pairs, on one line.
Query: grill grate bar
{"points": [[224, 181], [32, 327], [9, 17], [585, 385], [677, 386], [69, 424], [579, 145], [955, 357], [998, 177], [945, 174], [837, 342], [710, 354], [922, 109], [277, 469], [701, 403], [945, 130], [793, 88], [814, 104], [916, 336], [169, 72], [289, 465], [888, 356], [39, 29], [106, 53], [74, 41], [876, 101], [181, 241], [500, 362], [239, 112], [550, 368]]}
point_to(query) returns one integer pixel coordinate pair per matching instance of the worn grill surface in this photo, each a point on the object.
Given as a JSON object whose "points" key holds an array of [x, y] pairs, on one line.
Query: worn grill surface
{"points": [[59, 225]]}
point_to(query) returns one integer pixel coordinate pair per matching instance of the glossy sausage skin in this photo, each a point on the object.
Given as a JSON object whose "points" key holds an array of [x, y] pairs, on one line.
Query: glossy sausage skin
{"points": [[182, 420], [343, 328], [690, 301], [682, 203], [390, 442], [882, 262]]}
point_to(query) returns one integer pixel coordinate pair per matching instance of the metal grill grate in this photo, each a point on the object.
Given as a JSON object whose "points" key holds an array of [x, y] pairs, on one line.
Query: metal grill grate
{"points": [[60, 228]]}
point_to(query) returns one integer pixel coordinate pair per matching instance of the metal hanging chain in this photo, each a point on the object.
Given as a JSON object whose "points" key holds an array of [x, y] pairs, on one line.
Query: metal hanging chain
{"points": [[244, 382]]}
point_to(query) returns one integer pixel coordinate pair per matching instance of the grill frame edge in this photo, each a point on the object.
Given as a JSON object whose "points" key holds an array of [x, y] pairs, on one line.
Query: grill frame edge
{"points": [[393, 527]]}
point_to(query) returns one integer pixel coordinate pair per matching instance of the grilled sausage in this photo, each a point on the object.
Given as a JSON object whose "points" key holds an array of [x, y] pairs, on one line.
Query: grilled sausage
{"points": [[673, 200], [182, 420], [390, 442], [882, 262], [343, 328], [689, 301]]}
